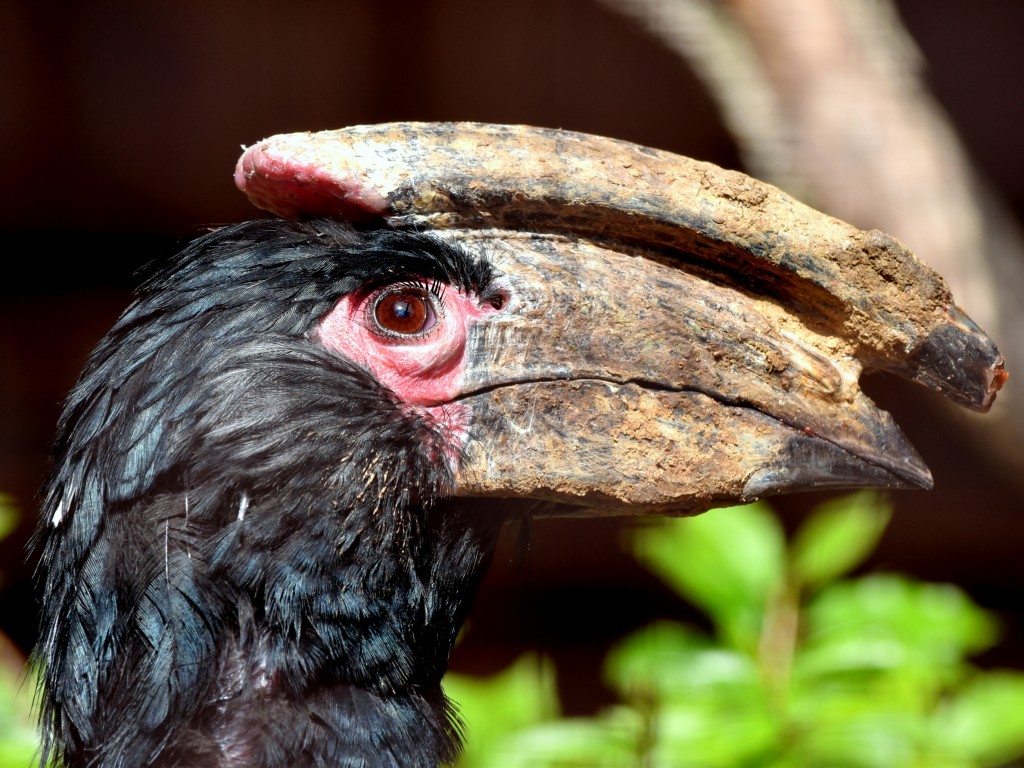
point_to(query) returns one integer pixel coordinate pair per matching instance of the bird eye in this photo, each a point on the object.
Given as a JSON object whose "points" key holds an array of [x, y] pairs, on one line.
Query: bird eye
{"points": [[403, 310]]}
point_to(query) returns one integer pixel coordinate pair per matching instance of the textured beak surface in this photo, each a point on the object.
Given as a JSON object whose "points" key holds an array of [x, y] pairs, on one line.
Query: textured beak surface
{"points": [[677, 336], [620, 382]]}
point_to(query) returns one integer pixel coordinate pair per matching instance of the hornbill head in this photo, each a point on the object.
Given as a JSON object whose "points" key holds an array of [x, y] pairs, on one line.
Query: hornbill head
{"points": [[281, 475]]}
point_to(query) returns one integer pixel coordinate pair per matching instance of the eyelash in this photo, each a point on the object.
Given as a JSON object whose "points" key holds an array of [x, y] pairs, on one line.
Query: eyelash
{"points": [[433, 288]]}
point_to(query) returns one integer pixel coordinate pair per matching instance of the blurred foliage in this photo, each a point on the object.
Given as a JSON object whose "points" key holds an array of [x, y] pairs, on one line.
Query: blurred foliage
{"points": [[18, 744], [8, 522], [804, 669]]}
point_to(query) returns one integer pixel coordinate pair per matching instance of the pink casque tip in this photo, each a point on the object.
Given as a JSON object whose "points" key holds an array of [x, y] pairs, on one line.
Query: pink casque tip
{"points": [[298, 176]]}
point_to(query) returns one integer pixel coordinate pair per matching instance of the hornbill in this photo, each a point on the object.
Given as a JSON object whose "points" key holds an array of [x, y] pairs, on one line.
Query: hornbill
{"points": [[281, 475]]}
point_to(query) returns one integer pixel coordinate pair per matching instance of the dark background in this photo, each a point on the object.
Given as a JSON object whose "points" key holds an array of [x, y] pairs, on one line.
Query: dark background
{"points": [[120, 124]]}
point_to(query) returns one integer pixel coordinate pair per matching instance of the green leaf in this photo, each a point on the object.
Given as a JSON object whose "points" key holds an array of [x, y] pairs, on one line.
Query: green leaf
{"points": [[8, 515], [937, 621], [613, 740], [19, 744], [705, 734], [985, 720], [871, 735], [728, 562], [666, 661], [705, 704], [897, 637], [494, 708], [838, 537]]}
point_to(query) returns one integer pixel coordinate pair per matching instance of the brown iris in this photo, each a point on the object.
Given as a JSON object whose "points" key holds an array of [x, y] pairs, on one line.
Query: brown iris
{"points": [[403, 311]]}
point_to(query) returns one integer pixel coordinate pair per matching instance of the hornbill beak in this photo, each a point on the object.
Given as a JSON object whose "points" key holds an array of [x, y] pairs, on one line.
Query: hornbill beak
{"points": [[673, 336]]}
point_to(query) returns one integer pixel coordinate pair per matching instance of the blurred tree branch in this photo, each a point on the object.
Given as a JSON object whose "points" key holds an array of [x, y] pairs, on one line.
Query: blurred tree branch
{"points": [[825, 99]]}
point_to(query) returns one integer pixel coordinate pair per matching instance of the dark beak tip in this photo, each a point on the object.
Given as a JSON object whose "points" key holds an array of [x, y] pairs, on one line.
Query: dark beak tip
{"points": [[960, 361], [814, 464]]}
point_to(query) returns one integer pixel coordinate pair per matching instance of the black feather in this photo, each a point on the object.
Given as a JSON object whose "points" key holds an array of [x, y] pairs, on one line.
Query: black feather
{"points": [[243, 557]]}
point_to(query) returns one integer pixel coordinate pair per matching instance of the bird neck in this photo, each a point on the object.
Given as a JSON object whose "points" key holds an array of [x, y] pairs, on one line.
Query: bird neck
{"points": [[341, 661]]}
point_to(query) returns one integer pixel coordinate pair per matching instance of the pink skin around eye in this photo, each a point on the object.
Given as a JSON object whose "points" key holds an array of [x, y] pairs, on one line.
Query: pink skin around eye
{"points": [[425, 371], [422, 370]]}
